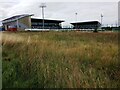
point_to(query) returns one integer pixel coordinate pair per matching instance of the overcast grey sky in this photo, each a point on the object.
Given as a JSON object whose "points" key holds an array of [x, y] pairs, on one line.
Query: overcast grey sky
{"points": [[63, 10]]}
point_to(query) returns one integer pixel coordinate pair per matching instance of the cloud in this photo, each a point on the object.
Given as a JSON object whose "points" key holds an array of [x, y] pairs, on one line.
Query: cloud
{"points": [[62, 10]]}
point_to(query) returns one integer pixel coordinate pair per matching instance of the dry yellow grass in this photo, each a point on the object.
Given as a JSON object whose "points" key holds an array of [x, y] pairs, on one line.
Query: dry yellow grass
{"points": [[61, 59]]}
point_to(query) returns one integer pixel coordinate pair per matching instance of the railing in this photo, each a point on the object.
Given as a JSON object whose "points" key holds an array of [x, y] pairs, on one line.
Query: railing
{"points": [[84, 30]]}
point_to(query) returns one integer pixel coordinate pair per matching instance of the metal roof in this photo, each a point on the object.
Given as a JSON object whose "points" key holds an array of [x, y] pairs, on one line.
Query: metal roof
{"points": [[14, 18], [87, 22], [34, 18]]}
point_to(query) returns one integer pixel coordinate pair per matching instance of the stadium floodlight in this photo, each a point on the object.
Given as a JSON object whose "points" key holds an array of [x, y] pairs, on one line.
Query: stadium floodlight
{"points": [[76, 19], [119, 14], [76, 16], [116, 24], [42, 6], [101, 19]]}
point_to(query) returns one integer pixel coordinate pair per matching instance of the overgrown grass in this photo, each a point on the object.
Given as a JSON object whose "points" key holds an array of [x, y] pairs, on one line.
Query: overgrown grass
{"points": [[60, 60]]}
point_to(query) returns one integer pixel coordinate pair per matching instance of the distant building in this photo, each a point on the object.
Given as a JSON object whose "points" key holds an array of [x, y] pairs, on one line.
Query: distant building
{"points": [[24, 21], [48, 24], [17, 23], [86, 25]]}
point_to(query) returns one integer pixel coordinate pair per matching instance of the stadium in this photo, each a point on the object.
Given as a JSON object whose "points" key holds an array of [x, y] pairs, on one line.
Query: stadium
{"points": [[24, 21]]}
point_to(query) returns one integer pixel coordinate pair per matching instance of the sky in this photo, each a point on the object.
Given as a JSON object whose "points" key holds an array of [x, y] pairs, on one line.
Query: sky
{"points": [[63, 10]]}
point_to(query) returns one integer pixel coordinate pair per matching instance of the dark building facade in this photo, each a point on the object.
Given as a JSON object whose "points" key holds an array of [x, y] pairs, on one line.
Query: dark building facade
{"points": [[86, 25], [48, 24]]}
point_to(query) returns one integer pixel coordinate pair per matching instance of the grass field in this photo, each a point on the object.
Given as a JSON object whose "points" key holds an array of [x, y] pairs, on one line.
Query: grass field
{"points": [[60, 60]]}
